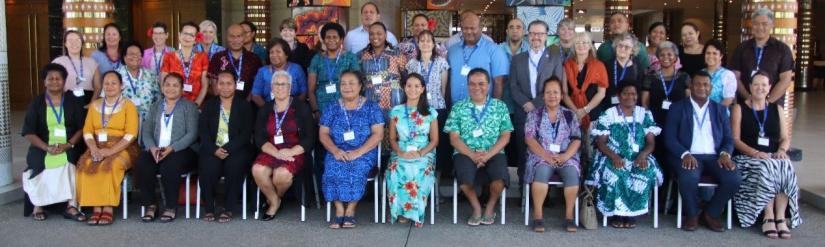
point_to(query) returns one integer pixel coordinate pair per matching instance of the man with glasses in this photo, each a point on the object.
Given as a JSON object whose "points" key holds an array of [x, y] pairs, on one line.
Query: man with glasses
{"points": [[249, 43]]}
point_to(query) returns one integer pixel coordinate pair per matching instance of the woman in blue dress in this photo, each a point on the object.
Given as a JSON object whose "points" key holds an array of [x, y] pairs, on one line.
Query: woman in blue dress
{"points": [[351, 129]]}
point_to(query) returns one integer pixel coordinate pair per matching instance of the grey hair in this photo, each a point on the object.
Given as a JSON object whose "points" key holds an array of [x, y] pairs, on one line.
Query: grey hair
{"points": [[539, 22], [568, 23], [627, 36], [207, 23], [280, 73], [763, 11], [664, 45]]}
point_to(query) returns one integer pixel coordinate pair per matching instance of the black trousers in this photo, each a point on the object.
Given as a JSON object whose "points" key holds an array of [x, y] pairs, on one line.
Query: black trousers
{"points": [[170, 170], [444, 151], [234, 168], [516, 149]]}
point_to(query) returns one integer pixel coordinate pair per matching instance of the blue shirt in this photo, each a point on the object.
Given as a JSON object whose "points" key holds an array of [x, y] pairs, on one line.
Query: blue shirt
{"points": [[487, 56], [358, 38], [104, 64], [261, 52], [263, 81], [213, 49]]}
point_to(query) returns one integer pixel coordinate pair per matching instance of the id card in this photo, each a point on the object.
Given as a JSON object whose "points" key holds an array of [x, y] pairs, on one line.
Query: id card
{"points": [[187, 88], [102, 137], [763, 141], [477, 133], [614, 100], [349, 135], [240, 85], [555, 148], [60, 132], [278, 139], [78, 92], [137, 102], [465, 70], [666, 105], [330, 88], [411, 148], [376, 80]]}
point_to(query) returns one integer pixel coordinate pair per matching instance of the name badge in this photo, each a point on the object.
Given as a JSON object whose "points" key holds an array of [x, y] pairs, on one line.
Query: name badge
{"points": [[635, 147], [763, 141], [278, 139], [102, 137], [331, 88], [477, 133], [555, 148], [349, 135], [614, 100], [272, 96], [78, 92], [412, 148], [137, 101], [666, 105], [187, 88], [465, 70], [429, 96], [81, 80], [376, 80], [60, 132], [240, 85]]}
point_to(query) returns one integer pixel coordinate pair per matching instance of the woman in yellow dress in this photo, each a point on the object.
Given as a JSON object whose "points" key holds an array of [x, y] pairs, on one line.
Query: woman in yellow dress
{"points": [[110, 131]]}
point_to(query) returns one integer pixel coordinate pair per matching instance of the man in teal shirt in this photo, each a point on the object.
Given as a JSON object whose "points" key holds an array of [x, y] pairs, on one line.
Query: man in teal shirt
{"points": [[619, 24]]}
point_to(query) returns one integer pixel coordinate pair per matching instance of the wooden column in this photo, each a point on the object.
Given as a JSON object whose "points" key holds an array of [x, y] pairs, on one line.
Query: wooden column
{"points": [[88, 17]]}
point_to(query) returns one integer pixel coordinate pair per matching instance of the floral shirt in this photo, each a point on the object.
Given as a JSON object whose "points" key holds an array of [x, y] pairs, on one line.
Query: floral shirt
{"points": [[142, 90], [619, 130], [413, 128], [382, 74], [462, 119], [432, 74]]}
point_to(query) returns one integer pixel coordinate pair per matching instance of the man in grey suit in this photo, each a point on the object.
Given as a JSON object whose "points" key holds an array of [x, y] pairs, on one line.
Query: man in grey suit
{"points": [[528, 71]]}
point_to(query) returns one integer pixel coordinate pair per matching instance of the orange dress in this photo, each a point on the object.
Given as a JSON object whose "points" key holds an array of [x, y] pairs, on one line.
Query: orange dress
{"points": [[172, 62]]}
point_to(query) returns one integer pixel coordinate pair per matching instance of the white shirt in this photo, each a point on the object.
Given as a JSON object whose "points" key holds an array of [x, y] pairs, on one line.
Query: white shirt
{"points": [[165, 138], [535, 58], [357, 39], [702, 142]]}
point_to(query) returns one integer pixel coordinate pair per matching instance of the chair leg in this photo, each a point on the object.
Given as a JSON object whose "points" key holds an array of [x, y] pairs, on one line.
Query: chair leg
{"points": [[124, 190], [243, 200], [303, 202], [655, 206], [328, 211], [667, 197], [576, 211], [258, 203], [730, 214], [188, 203], [317, 195], [604, 220], [503, 205], [142, 211], [433, 194], [455, 201], [198, 199], [679, 210], [526, 203], [375, 199], [384, 202]]}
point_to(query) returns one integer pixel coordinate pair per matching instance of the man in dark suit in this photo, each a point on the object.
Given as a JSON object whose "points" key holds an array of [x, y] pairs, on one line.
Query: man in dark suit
{"points": [[699, 140], [528, 71]]}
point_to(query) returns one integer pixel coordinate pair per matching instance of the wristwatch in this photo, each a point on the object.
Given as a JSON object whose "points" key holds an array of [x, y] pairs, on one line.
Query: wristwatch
{"points": [[724, 153]]}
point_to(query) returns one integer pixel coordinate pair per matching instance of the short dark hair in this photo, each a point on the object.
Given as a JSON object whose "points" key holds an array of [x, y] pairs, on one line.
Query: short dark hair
{"points": [[539, 22], [383, 27], [160, 24], [113, 72], [335, 27], [279, 42], [377, 11], [53, 67], [655, 25], [230, 72], [126, 47], [191, 24], [479, 71], [423, 106], [358, 76], [695, 28], [250, 24], [173, 75], [719, 46], [700, 73], [762, 73], [420, 15], [627, 83], [553, 79]]}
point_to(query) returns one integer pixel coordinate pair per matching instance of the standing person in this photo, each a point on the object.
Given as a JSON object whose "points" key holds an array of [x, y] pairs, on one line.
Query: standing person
{"points": [[83, 78], [108, 52], [238, 60], [528, 72], [515, 44], [141, 84], [153, 56], [409, 47], [768, 178], [766, 53], [167, 136], [566, 30], [299, 52], [382, 65], [480, 128], [249, 32], [358, 38], [623, 67], [279, 56], [722, 80], [691, 55], [225, 127], [657, 33], [110, 129], [413, 138], [698, 138], [209, 44], [619, 24], [53, 126], [326, 68], [475, 52], [189, 63]]}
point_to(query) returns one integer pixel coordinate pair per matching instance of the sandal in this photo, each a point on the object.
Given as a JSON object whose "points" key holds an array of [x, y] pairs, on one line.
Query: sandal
{"points": [[225, 217], [419, 225], [337, 223], [617, 222], [474, 221], [402, 220], [488, 220], [39, 216], [349, 222], [94, 219], [76, 216], [538, 225], [772, 234], [783, 234], [209, 217], [168, 215], [151, 212], [629, 222], [105, 219], [570, 226]]}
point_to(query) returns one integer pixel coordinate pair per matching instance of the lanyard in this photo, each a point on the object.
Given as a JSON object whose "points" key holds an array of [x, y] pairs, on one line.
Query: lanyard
{"points": [[187, 67], [554, 127], [478, 118], [464, 52], [716, 74], [566, 55], [224, 115], [376, 61], [103, 111], [78, 73], [213, 48], [57, 115], [704, 115], [535, 64], [346, 115], [279, 120], [238, 68], [168, 117], [759, 52], [132, 81], [761, 122], [331, 69], [616, 77], [115, 64], [410, 122], [429, 71], [667, 88], [631, 126], [158, 59]]}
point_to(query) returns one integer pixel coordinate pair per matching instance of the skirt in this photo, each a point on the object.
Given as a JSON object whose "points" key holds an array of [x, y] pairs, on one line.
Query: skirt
{"points": [[762, 180], [409, 183], [53, 185], [98, 183]]}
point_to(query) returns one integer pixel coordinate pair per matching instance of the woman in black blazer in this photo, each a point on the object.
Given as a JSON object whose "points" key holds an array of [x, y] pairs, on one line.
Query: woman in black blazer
{"points": [[225, 146]]}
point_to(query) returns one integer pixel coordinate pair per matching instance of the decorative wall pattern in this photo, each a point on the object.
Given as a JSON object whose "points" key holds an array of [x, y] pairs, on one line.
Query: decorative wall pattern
{"points": [[552, 15], [442, 20], [309, 19]]}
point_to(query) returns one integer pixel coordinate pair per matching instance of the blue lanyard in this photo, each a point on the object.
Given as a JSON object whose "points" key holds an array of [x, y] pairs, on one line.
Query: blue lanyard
{"points": [[477, 117], [158, 59], [341, 103], [759, 52], [631, 126], [115, 64], [704, 115], [103, 120], [761, 122], [212, 50], [410, 122], [535, 64], [132, 81], [464, 52], [667, 88], [376, 62], [187, 69], [77, 73], [429, 71], [279, 120], [57, 115], [168, 117], [716, 74], [238, 68], [616, 77], [329, 68], [554, 127], [565, 55]]}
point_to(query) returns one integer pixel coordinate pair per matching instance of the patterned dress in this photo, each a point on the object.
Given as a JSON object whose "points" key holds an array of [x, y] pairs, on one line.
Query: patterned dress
{"points": [[328, 73], [538, 126], [142, 90], [289, 129], [382, 73], [409, 182], [409, 48], [198, 65], [624, 191], [346, 180], [432, 73]]}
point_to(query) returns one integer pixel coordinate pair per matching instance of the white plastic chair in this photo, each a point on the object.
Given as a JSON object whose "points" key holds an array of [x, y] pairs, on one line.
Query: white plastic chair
{"points": [[188, 177], [704, 181], [655, 209], [556, 181], [374, 179], [243, 200], [303, 203], [455, 202], [384, 202]]}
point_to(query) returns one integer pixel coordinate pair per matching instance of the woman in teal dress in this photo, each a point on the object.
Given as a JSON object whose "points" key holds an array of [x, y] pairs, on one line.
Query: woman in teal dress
{"points": [[325, 69], [413, 138], [624, 171]]}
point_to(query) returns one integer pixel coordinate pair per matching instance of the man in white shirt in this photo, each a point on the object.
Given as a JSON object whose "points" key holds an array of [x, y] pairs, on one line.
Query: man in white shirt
{"points": [[358, 38], [699, 140]]}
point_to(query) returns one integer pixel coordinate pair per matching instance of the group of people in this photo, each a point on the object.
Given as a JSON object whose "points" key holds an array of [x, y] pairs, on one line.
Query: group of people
{"points": [[564, 112]]}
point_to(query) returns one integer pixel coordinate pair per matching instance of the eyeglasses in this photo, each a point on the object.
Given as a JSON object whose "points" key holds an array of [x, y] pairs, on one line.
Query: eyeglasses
{"points": [[624, 46], [534, 34], [280, 84], [188, 34]]}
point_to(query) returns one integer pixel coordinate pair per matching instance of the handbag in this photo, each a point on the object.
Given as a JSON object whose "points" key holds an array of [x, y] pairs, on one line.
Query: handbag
{"points": [[589, 219]]}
